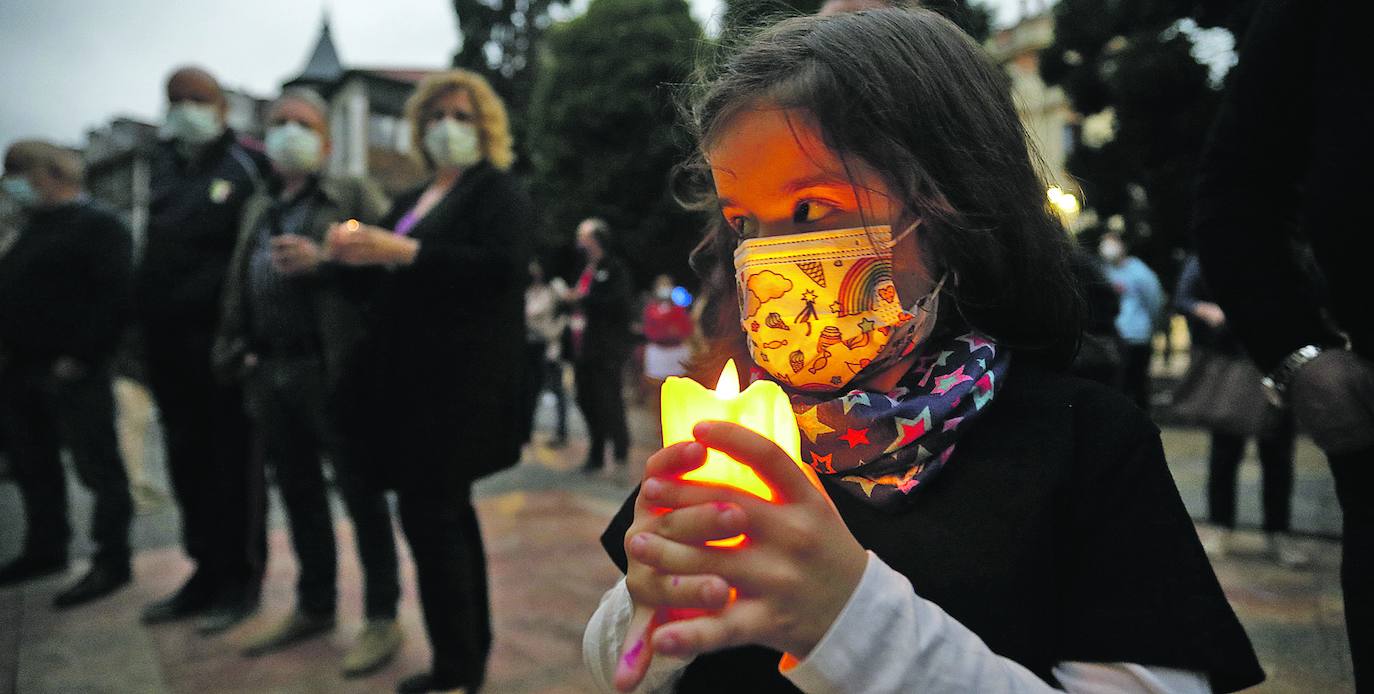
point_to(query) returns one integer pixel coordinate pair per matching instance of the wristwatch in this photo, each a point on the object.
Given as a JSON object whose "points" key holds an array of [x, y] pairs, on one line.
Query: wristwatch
{"points": [[1276, 383]]}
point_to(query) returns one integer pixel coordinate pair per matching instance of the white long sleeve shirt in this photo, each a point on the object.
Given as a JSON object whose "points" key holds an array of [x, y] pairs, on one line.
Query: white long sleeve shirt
{"points": [[939, 653]]}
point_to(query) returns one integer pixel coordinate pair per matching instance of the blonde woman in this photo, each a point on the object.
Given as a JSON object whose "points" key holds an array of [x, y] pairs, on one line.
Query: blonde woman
{"points": [[432, 396]]}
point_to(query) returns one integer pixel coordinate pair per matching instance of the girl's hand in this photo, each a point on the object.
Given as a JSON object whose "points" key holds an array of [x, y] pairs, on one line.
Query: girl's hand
{"points": [[352, 243], [658, 597], [793, 575]]}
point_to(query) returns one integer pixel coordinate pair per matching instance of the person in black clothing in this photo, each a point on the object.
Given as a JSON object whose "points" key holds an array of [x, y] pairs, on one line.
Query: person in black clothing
{"points": [[601, 344], [201, 177], [286, 331], [957, 513], [1286, 165], [433, 393], [64, 300], [1274, 432]]}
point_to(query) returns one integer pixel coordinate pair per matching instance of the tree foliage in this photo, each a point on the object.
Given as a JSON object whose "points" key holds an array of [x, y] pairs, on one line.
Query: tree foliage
{"points": [[602, 134], [500, 40], [1131, 56]]}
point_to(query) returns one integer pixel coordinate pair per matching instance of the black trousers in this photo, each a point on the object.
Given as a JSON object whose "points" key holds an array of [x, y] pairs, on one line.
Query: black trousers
{"points": [[1135, 373], [40, 414], [1276, 467], [1354, 474], [542, 373], [288, 402], [216, 478], [451, 568], [600, 397]]}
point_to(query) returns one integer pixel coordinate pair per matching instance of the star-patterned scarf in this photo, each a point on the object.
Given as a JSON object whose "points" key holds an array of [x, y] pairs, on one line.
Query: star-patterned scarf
{"points": [[884, 446]]}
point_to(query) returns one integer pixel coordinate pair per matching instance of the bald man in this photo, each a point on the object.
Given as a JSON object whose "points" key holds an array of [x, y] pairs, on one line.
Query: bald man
{"points": [[201, 177], [64, 301]]}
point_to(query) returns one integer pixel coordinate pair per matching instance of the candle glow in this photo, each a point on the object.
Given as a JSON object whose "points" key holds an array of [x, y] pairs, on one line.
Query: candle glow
{"points": [[763, 407]]}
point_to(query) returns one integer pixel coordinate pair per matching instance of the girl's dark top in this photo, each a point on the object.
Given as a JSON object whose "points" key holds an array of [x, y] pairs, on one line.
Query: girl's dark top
{"points": [[1055, 533], [431, 391]]}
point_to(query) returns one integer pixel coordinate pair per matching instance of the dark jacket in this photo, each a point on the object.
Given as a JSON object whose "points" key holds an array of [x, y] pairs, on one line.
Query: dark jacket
{"points": [[338, 317], [1192, 289], [433, 389], [65, 285], [1055, 534], [193, 224], [608, 311], [1288, 159]]}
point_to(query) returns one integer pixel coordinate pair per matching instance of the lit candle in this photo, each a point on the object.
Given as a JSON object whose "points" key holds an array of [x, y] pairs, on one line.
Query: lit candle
{"points": [[763, 407]]}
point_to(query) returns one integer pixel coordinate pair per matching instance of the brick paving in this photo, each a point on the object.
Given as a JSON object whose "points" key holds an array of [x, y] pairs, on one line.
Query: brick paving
{"points": [[540, 521]]}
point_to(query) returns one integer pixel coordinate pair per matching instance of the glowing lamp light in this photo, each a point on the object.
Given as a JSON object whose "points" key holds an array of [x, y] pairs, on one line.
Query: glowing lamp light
{"points": [[681, 296], [763, 407], [1065, 203]]}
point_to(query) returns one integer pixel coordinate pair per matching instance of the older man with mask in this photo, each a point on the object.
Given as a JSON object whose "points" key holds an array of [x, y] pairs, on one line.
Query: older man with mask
{"points": [[287, 327], [64, 299], [201, 177]]}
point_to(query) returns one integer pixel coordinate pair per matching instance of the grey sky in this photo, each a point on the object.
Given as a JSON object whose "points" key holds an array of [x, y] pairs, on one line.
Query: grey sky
{"points": [[70, 65]]}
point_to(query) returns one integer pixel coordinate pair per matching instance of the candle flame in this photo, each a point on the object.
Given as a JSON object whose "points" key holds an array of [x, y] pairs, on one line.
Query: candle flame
{"points": [[727, 387]]}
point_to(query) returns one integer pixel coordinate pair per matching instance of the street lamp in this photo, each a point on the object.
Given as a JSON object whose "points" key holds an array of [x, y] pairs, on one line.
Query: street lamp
{"points": [[1066, 204]]}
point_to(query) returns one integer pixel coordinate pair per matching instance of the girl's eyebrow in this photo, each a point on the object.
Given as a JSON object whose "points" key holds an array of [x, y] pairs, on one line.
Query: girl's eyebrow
{"points": [[820, 179]]}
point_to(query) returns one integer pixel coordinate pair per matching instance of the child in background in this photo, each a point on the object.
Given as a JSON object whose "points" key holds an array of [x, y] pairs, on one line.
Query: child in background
{"points": [[982, 521]]}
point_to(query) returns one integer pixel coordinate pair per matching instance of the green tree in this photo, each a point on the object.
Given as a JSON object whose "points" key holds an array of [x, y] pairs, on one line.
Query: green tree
{"points": [[500, 40], [972, 17], [1135, 58], [603, 138]]}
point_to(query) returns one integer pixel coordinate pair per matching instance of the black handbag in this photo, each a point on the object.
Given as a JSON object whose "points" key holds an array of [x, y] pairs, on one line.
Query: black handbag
{"points": [[1223, 393]]}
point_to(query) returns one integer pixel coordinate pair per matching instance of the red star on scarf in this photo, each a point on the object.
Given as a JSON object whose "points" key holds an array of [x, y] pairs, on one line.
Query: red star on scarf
{"points": [[823, 462], [854, 437]]}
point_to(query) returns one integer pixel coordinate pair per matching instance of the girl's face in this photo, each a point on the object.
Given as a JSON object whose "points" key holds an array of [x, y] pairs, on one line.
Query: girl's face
{"points": [[774, 175]]}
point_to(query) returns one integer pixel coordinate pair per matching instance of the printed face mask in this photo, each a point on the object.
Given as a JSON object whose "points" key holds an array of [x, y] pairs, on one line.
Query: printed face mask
{"points": [[450, 143], [820, 307]]}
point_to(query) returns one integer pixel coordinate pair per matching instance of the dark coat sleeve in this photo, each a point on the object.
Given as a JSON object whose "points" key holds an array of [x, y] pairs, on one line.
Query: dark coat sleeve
{"points": [[109, 270], [1251, 185]]}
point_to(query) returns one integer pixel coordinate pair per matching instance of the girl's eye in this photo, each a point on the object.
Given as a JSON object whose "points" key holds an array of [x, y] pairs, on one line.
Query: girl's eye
{"points": [[744, 227], [809, 211]]}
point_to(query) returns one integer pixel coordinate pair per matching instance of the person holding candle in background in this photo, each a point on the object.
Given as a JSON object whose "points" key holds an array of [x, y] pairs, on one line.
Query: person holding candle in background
{"points": [[984, 521], [433, 393], [286, 329]]}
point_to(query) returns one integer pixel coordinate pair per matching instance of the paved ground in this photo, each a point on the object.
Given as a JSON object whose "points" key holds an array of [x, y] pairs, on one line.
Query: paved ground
{"points": [[540, 521]]}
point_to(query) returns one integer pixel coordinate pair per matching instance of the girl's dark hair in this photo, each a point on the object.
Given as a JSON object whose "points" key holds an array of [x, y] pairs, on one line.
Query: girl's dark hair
{"points": [[913, 96]]}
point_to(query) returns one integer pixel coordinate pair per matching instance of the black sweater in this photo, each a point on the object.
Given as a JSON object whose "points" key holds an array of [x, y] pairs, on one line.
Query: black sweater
{"points": [[65, 285], [1055, 533]]}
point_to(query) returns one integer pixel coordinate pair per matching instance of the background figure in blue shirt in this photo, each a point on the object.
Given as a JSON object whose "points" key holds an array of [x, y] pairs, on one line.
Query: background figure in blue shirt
{"points": [[1142, 303]]}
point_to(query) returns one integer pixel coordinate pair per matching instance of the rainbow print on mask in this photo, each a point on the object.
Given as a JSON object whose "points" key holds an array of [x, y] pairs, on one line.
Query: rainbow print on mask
{"points": [[859, 289]]}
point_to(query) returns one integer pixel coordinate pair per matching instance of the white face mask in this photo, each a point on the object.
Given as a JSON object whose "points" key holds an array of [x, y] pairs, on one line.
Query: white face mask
{"points": [[19, 190], [1111, 250], [295, 148], [191, 123], [453, 144]]}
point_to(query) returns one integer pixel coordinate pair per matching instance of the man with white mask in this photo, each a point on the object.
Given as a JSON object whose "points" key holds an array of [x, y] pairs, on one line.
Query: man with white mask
{"points": [[1142, 307], [286, 328], [201, 177], [64, 300]]}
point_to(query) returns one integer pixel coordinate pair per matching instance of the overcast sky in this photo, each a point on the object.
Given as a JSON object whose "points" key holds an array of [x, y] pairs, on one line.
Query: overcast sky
{"points": [[70, 65]]}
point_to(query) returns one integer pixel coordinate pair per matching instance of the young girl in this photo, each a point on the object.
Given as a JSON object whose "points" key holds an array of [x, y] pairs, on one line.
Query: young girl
{"points": [[981, 522]]}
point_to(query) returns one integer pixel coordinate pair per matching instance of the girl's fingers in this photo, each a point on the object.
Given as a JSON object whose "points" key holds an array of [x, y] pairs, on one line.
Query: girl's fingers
{"points": [[775, 467], [738, 625], [635, 653], [667, 557], [675, 460], [695, 525]]}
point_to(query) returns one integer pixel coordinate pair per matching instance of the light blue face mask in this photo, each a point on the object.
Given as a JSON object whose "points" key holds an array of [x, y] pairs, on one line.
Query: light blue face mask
{"points": [[18, 189], [191, 123], [294, 148]]}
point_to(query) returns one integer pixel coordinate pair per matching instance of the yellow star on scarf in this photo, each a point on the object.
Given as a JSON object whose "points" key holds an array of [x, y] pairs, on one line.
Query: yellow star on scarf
{"points": [[811, 424], [864, 483]]}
